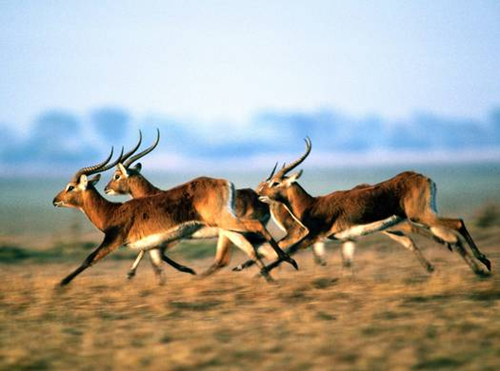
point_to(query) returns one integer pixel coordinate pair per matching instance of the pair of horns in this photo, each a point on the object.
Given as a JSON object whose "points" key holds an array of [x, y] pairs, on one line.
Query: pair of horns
{"points": [[125, 159], [100, 167], [287, 168]]}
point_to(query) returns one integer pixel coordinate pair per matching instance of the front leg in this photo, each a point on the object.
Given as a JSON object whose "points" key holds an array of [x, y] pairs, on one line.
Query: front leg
{"points": [[294, 235], [222, 255], [174, 264], [108, 245], [256, 226], [133, 269], [302, 244], [155, 257]]}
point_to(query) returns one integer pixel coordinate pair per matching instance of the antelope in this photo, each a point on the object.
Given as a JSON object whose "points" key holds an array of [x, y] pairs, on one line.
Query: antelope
{"points": [[400, 235], [349, 245], [408, 197], [128, 180], [145, 223]]}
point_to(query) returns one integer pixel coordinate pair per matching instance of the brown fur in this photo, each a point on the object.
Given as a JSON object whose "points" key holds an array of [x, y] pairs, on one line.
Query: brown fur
{"points": [[247, 207], [144, 216], [174, 214], [407, 196]]}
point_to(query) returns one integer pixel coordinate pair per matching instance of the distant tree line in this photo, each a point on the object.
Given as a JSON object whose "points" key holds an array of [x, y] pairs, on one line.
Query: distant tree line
{"points": [[59, 138]]}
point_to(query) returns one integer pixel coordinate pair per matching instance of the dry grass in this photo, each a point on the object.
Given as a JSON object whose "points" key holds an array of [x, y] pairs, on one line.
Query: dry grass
{"points": [[389, 315]]}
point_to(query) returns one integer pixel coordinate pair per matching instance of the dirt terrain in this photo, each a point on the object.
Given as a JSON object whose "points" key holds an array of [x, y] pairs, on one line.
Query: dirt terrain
{"points": [[388, 314]]}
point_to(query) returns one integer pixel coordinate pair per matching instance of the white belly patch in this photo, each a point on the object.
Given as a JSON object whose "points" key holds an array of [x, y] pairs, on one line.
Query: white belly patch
{"points": [[364, 229], [154, 240], [205, 232]]}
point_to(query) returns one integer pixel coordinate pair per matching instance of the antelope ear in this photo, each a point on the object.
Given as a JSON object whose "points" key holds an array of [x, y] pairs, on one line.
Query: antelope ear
{"points": [[123, 170], [138, 167], [293, 178], [95, 179], [83, 182]]}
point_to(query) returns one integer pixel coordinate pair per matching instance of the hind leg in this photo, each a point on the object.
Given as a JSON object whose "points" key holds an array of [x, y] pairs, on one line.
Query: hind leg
{"points": [[468, 258], [449, 237], [222, 255], [266, 251], [408, 228], [255, 226], [155, 256], [318, 250], [293, 236], [347, 252], [459, 226], [240, 241], [408, 243], [447, 229], [300, 245]]}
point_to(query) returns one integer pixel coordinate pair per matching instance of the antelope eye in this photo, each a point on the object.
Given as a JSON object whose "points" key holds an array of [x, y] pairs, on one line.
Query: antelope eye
{"points": [[117, 177], [70, 188], [275, 184]]}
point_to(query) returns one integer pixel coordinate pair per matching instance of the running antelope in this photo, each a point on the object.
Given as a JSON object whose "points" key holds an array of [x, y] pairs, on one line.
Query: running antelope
{"points": [[128, 179], [343, 215], [145, 223], [399, 235]]}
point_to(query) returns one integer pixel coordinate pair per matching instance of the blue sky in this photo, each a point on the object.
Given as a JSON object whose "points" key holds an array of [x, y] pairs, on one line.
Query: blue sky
{"points": [[224, 61]]}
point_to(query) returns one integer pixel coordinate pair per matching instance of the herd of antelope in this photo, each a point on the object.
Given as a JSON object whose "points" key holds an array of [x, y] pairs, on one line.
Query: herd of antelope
{"points": [[154, 220]]}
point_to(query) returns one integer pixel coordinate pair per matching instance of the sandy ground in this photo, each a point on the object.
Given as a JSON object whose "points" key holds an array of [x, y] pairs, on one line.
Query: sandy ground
{"points": [[389, 314]]}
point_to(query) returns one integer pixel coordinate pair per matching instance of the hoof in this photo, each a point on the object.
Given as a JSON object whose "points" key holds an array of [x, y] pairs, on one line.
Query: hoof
{"points": [[268, 278], [482, 274], [238, 268], [64, 283], [265, 273], [430, 268], [292, 262], [206, 274], [483, 259], [130, 275], [320, 262], [188, 270], [60, 288]]}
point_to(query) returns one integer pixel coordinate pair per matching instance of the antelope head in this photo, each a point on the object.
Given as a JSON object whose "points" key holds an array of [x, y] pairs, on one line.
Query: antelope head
{"points": [[275, 187], [72, 194], [125, 173]]}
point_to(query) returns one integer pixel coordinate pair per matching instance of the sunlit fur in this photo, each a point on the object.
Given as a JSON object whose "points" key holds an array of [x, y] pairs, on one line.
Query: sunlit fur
{"points": [[164, 217], [245, 203], [408, 196]]}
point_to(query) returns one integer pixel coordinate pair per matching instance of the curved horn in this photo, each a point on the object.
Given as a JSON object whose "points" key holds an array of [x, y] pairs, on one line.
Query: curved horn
{"points": [[297, 162], [92, 169], [272, 172], [112, 164], [132, 151], [143, 153]]}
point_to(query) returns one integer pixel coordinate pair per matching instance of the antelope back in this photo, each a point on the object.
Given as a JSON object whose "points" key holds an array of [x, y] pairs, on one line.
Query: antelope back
{"points": [[214, 199]]}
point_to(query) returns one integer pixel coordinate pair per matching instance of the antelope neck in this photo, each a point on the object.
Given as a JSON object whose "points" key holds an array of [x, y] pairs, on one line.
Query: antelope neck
{"points": [[298, 200], [97, 208], [141, 187]]}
